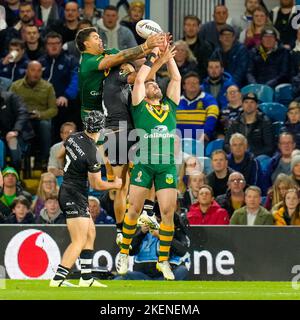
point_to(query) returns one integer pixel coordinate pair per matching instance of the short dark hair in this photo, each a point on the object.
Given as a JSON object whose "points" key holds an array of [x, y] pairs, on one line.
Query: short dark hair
{"points": [[26, 3], [53, 34], [82, 36], [22, 200], [206, 186], [191, 74], [219, 151], [17, 43], [192, 17], [111, 7], [84, 21], [215, 60]]}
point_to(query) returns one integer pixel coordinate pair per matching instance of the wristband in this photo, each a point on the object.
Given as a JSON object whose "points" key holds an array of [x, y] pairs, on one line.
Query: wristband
{"points": [[148, 62]]}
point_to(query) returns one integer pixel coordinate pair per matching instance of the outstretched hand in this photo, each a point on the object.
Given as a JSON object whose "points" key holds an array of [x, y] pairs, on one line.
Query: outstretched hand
{"points": [[168, 54], [155, 40]]}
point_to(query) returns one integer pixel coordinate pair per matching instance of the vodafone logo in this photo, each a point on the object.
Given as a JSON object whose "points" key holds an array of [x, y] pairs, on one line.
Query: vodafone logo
{"points": [[31, 254]]}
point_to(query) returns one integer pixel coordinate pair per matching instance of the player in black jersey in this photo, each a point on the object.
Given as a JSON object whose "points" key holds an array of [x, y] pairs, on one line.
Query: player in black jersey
{"points": [[82, 168]]}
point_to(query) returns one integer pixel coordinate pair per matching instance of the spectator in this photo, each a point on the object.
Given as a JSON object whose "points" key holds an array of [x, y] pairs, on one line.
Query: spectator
{"points": [[251, 36], [282, 17], [210, 30], [243, 22], [90, 12], [47, 186], [217, 82], [39, 97], [207, 211], [61, 70], [67, 28], [289, 213], [21, 213], [276, 194], [15, 127], [11, 12], [197, 105], [295, 168], [190, 196], [234, 55], [70, 46], [135, 14], [295, 56], [269, 63], [98, 214], [112, 33], [51, 213], [201, 49], [252, 213], [13, 65], [234, 197], [281, 161], [184, 58], [55, 166], [48, 11], [292, 125], [33, 44], [243, 161], [231, 112], [144, 248], [255, 126], [218, 178], [10, 190]]}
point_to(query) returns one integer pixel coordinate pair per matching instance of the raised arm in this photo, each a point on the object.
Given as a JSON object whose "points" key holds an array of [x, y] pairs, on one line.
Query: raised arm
{"points": [[174, 86], [140, 51]]}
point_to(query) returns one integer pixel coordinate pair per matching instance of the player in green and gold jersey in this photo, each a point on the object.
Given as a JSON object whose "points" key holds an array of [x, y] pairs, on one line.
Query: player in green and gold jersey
{"points": [[155, 118]]}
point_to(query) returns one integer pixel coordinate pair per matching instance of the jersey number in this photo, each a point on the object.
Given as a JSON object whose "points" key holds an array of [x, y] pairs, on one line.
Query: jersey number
{"points": [[68, 162]]}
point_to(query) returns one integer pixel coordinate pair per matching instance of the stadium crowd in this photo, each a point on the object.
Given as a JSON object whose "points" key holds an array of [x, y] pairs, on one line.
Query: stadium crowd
{"points": [[240, 85]]}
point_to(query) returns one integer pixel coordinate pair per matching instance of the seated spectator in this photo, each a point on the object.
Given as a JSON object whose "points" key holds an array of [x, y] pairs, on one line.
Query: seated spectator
{"points": [[13, 65], [234, 197], [289, 213], [269, 63], [234, 55], [201, 49], [251, 37], [112, 33], [47, 186], [48, 11], [295, 57], [98, 214], [281, 161], [218, 178], [39, 96], [217, 82], [255, 126], [15, 127], [292, 125], [184, 58], [21, 213], [145, 246], [210, 30], [135, 14], [244, 161], [191, 194], [282, 17], [34, 45], [207, 211], [11, 12], [51, 213], [55, 165], [198, 106], [90, 12], [295, 169], [276, 193], [231, 112], [252, 213], [10, 190]]}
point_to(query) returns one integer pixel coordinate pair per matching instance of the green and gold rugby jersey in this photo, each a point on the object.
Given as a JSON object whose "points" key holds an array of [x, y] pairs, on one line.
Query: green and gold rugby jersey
{"points": [[156, 128], [91, 80]]}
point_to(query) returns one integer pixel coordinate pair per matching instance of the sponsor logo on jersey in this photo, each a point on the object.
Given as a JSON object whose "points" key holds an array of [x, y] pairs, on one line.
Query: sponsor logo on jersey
{"points": [[139, 177], [161, 129], [94, 93], [169, 178]]}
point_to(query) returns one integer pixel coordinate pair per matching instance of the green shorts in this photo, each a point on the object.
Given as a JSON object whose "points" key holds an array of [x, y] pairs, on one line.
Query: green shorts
{"points": [[163, 175]]}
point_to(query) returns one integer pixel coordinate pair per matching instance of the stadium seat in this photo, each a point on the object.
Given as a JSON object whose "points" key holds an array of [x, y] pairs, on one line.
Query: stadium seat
{"points": [[264, 93], [193, 147], [284, 93], [274, 110], [264, 162], [2, 154], [213, 145], [4, 83]]}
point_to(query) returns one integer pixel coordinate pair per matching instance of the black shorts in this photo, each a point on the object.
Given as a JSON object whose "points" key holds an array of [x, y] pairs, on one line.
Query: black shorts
{"points": [[73, 204], [117, 148]]}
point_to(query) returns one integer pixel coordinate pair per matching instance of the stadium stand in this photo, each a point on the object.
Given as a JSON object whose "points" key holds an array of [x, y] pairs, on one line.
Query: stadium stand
{"points": [[274, 110], [263, 92]]}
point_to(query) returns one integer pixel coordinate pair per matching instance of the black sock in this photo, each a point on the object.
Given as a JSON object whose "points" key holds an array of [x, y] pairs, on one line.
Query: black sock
{"points": [[148, 207], [119, 227], [61, 273], [86, 259]]}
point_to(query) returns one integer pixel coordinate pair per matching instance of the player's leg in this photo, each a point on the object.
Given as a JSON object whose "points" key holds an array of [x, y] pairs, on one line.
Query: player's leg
{"points": [[86, 260]]}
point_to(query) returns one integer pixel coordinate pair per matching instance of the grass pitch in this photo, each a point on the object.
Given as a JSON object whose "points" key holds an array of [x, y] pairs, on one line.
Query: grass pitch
{"points": [[152, 290]]}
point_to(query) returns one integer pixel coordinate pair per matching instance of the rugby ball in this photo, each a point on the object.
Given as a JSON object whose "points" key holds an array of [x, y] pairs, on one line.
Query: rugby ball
{"points": [[145, 28]]}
